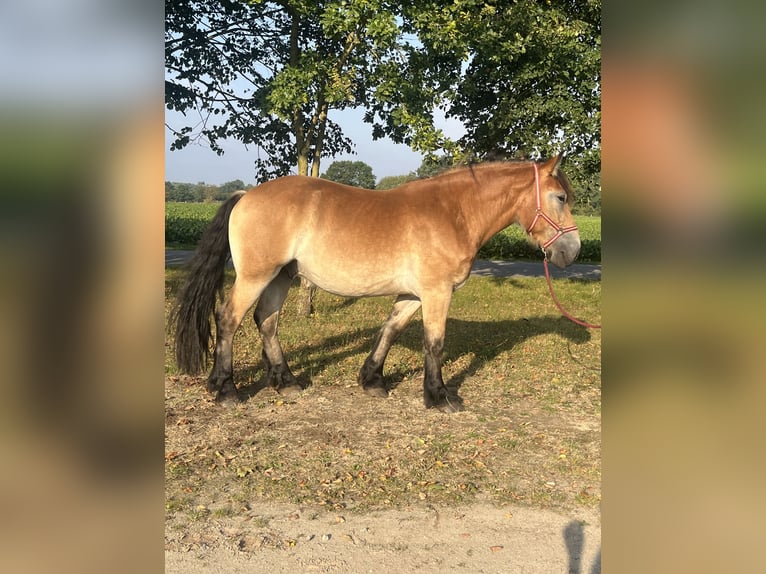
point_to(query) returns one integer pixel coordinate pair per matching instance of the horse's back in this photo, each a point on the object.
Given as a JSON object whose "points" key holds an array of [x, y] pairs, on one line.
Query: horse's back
{"points": [[346, 240]]}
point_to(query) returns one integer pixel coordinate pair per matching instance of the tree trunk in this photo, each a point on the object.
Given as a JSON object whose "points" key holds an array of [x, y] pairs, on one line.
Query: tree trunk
{"points": [[306, 298], [307, 289], [303, 144]]}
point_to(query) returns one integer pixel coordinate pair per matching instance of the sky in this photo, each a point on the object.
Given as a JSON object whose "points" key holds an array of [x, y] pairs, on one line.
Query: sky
{"points": [[197, 163]]}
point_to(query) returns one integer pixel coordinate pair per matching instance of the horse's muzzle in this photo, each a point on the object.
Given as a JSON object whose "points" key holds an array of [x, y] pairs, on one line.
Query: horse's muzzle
{"points": [[564, 250]]}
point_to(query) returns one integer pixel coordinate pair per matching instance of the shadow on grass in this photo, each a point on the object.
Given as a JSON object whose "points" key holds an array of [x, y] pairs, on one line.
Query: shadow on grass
{"points": [[483, 340]]}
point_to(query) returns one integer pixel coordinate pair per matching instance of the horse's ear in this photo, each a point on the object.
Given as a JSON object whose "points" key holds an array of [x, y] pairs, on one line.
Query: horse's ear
{"points": [[552, 165], [557, 163]]}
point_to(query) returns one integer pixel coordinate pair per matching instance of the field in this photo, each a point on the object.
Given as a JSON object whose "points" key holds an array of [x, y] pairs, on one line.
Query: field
{"points": [[185, 222], [512, 243], [529, 438]]}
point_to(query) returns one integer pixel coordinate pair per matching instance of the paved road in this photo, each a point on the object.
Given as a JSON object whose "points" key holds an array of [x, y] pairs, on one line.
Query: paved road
{"points": [[481, 268]]}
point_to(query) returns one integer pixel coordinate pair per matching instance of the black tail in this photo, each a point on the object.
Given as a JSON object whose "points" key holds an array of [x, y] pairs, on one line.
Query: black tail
{"points": [[196, 299]]}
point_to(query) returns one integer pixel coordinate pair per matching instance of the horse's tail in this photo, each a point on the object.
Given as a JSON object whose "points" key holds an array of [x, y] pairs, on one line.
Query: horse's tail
{"points": [[196, 299]]}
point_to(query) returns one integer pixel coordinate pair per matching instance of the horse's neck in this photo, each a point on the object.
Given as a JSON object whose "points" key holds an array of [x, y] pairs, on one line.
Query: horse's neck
{"points": [[490, 201]]}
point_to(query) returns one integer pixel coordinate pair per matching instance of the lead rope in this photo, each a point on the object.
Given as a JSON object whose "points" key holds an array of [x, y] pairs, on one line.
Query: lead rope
{"points": [[539, 213], [553, 296]]}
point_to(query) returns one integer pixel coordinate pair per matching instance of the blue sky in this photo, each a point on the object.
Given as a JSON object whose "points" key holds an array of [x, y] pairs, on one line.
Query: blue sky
{"points": [[198, 163]]}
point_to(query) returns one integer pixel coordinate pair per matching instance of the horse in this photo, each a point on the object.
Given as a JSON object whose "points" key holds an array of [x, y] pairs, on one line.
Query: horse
{"points": [[417, 242]]}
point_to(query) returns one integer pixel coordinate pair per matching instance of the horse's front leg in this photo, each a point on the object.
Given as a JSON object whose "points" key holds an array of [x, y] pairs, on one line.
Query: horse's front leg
{"points": [[371, 373], [435, 392]]}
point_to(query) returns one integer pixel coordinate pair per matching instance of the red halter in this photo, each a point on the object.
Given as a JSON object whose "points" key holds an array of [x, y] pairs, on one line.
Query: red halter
{"points": [[540, 213], [559, 232]]}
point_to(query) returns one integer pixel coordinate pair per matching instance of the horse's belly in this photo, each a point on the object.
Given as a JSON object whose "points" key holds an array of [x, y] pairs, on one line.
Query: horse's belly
{"points": [[356, 281]]}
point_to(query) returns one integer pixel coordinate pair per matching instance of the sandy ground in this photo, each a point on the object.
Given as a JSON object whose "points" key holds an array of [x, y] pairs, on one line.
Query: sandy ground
{"points": [[478, 538]]}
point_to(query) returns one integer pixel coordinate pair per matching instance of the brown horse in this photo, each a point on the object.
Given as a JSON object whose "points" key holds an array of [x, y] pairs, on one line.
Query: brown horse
{"points": [[417, 241]]}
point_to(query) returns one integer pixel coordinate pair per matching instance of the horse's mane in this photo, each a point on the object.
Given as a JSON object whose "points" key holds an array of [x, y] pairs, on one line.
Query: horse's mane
{"points": [[560, 176]]}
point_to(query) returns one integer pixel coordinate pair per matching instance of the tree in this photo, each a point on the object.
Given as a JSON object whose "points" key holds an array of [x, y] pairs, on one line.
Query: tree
{"points": [[523, 77], [434, 165], [187, 192], [226, 189], [532, 88], [231, 186], [356, 173], [533, 84], [170, 189], [392, 181], [268, 73]]}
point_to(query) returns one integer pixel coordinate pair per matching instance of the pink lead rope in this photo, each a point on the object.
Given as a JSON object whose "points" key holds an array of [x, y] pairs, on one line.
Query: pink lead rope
{"points": [[559, 232], [563, 311]]}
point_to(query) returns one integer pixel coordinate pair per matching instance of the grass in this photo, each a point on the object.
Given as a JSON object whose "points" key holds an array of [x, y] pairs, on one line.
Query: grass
{"points": [[530, 435]]}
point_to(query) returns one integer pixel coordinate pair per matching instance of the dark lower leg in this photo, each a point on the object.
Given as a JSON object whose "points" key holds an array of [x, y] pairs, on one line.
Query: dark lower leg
{"points": [[221, 379], [435, 392], [371, 373], [278, 375], [227, 319], [266, 317]]}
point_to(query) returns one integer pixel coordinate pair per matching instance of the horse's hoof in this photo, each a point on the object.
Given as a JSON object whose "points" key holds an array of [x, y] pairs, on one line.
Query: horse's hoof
{"points": [[229, 399], [449, 405]]}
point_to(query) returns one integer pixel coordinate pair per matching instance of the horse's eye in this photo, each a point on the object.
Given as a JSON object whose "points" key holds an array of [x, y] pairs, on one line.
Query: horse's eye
{"points": [[562, 199]]}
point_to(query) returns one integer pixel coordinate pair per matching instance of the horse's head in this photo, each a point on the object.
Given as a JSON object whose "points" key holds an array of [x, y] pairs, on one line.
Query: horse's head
{"points": [[550, 223]]}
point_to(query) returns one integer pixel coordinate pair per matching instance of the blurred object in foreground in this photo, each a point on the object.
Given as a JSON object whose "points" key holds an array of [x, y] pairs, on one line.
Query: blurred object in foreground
{"points": [[684, 219], [81, 147]]}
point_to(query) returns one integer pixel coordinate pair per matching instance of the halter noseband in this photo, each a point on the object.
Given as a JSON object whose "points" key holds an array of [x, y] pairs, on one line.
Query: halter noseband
{"points": [[540, 213]]}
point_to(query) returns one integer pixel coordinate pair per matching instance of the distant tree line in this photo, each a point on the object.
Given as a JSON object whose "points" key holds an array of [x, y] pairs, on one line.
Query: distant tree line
{"points": [[201, 191], [359, 174]]}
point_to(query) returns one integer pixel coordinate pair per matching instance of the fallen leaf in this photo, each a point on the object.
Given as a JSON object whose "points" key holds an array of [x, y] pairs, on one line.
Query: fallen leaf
{"points": [[495, 548]]}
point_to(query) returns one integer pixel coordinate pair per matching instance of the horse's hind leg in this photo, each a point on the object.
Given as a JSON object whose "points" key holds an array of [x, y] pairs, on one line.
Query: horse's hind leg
{"points": [[227, 319], [267, 319], [435, 392], [371, 374]]}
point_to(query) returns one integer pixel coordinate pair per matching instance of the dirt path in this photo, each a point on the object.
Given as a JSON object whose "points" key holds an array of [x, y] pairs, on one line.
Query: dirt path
{"points": [[477, 538]]}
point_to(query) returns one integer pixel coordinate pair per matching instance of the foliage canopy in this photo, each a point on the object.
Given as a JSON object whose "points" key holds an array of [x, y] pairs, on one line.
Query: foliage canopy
{"points": [[523, 77], [356, 173]]}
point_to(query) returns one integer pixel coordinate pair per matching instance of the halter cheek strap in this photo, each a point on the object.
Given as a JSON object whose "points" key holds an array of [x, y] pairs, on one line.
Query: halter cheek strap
{"points": [[539, 213]]}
